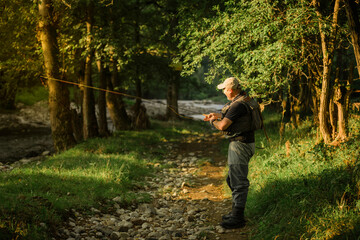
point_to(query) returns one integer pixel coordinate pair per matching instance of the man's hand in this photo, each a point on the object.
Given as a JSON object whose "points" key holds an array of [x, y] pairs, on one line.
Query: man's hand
{"points": [[221, 125], [211, 116]]}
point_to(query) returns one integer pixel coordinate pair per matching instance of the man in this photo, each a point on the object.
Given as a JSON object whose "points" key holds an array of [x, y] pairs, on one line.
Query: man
{"points": [[235, 120]]}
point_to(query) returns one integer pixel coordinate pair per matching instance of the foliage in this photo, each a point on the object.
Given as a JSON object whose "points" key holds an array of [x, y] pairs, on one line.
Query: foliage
{"points": [[30, 96], [256, 41], [20, 62]]}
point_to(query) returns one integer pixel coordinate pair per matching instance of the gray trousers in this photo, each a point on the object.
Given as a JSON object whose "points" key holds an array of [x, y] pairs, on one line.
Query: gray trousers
{"points": [[239, 155]]}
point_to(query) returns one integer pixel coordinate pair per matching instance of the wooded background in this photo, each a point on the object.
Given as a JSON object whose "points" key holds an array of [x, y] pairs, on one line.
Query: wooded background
{"points": [[299, 57]]}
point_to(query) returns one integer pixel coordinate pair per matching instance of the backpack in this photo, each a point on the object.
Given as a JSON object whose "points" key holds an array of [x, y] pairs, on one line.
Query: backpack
{"points": [[252, 121], [257, 120], [255, 113]]}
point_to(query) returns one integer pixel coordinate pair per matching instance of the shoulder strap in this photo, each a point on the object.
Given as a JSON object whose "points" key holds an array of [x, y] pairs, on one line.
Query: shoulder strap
{"points": [[263, 125]]}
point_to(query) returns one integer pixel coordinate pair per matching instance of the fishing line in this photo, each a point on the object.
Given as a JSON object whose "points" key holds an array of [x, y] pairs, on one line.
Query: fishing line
{"points": [[131, 96], [123, 94]]}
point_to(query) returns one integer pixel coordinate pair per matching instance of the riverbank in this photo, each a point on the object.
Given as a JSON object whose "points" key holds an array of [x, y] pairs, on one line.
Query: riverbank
{"points": [[25, 133]]}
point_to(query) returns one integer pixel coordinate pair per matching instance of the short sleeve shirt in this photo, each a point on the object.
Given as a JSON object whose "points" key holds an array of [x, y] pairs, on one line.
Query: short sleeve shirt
{"points": [[236, 110]]}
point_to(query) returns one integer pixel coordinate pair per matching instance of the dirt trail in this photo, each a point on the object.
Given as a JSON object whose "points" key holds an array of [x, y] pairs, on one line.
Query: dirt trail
{"points": [[208, 183], [187, 201]]}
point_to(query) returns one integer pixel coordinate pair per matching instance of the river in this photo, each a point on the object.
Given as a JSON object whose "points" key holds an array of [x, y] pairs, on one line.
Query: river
{"points": [[26, 133]]}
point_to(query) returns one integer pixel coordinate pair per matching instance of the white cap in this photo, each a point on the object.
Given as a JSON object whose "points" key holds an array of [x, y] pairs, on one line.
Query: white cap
{"points": [[230, 82]]}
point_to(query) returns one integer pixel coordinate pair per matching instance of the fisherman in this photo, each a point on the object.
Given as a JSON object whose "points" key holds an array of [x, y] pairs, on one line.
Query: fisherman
{"points": [[234, 121]]}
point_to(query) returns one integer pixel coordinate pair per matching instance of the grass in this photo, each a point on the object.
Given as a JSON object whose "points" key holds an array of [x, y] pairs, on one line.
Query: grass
{"points": [[300, 189], [29, 96], [85, 176], [304, 189]]}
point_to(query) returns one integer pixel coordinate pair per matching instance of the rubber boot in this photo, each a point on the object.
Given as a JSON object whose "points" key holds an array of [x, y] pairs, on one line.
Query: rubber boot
{"points": [[227, 216], [236, 220]]}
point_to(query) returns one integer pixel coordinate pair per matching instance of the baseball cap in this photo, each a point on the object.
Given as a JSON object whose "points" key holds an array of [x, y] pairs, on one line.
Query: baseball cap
{"points": [[230, 82]]}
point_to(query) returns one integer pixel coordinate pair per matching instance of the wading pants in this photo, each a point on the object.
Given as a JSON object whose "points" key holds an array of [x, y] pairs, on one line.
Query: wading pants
{"points": [[239, 155]]}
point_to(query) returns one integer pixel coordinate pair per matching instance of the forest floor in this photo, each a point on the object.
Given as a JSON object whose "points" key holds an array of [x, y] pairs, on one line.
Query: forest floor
{"points": [[188, 201], [197, 204]]}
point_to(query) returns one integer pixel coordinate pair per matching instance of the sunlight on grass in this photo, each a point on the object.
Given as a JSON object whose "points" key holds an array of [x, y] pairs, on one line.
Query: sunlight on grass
{"points": [[299, 185], [92, 172], [300, 189]]}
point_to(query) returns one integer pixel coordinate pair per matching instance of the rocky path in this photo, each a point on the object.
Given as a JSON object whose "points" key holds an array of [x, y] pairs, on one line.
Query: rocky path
{"points": [[188, 201]]}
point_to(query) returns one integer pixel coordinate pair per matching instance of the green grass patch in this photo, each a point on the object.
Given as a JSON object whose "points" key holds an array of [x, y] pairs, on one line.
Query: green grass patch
{"points": [[93, 172], [303, 189], [30, 96]]}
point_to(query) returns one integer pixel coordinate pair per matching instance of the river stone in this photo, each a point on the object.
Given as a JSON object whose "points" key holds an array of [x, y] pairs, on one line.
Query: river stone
{"points": [[117, 199], [115, 236], [147, 209], [124, 226], [79, 229], [165, 237], [45, 153], [154, 235], [219, 229], [162, 211], [137, 221], [72, 224]]}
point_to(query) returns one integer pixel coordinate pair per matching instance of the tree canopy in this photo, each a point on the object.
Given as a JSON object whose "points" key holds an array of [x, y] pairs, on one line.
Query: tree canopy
{"points": [[296, 54]]}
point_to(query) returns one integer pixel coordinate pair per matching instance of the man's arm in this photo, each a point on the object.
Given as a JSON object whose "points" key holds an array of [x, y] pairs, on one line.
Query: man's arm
{"points": [[223, 124]]}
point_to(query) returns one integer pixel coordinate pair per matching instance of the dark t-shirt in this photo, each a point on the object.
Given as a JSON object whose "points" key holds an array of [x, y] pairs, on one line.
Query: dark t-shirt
{"points": [[236, 110]]}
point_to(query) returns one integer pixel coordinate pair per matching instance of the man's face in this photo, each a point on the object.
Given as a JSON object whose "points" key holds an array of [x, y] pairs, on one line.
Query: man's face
{"points": [[227, 92]]}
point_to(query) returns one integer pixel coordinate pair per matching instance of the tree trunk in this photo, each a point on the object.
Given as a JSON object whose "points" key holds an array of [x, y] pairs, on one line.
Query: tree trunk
{"points": [[347, 93], [315, 96], [103, 126], [90, 127], [138, 91], [353, 21], [285, 114], [294, 103], [341, 98], [59, 103], [327, 45], [172, 111], [141, 119], [333, 116], [8, 89], [116, 105]]}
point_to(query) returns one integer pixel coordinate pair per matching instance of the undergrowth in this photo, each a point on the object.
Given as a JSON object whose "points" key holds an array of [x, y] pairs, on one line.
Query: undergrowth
{"points": [[30, 96], [302, 189]]}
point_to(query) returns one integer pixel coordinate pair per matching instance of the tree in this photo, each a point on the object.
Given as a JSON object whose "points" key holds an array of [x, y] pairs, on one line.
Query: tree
{"points": [[103, 125], [353, 20], [20, 62], [59, 105], [274, 49], [90, 127], [328, 48]]}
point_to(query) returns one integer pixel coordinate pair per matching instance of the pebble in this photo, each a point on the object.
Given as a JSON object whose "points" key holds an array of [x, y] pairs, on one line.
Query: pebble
{"points": [[5, 167]]}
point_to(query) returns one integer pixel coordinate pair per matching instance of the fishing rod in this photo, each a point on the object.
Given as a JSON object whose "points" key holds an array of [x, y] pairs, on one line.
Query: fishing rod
{"points": [[172, 108]]}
